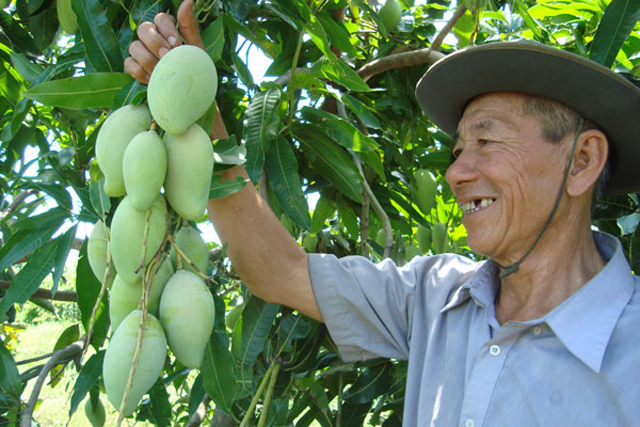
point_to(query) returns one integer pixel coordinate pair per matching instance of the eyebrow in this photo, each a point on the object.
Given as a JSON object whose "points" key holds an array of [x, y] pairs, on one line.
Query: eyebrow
{"points": [[485, 124]]}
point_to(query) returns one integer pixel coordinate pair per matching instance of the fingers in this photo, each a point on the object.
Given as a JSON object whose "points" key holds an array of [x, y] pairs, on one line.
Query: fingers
{"points": [[166, 26], [134, 69], [189, 25], [153, 40]]}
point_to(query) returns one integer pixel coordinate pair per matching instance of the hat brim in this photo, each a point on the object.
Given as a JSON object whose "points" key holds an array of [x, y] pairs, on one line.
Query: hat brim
{"points": [[594, 91]]}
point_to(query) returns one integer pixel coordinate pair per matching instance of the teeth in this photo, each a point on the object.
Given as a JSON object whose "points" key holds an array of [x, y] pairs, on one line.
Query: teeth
{"points": [[476, 205]]}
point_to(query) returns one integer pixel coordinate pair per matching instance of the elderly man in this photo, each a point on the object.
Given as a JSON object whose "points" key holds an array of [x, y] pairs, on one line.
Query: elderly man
{"points": [[542, 334]]}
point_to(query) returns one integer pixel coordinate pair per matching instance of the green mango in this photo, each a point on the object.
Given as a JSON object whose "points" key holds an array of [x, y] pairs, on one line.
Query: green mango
{"points": [[189, 169], [423, 235], [119, 358], [127, 234], [113, 138], [97, 252], [66, 16], [96, 415], [426, 187], [125, 297], [187, 312], [381, 238], [390, 14], [144, 166], [439, 237], [182, 87], [190, 241], [411, 252]]}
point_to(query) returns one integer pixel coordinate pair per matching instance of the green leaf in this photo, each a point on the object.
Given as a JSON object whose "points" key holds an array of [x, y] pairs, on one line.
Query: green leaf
{"points": [[65, 243], [340, 73], [29, 278], [257, 318], [20, 112], [319, 37], [533, 25], [615, 26], [373, 382], [19, 39], [361, 111], [262, 122], [331, 161], [338, 129], [158, 408], [222, 188], [229, 153], [218, 373], [338, 34], [100, 42], [197, 391], [321, 213], [51, 218], [58, 193], [282, 169], [88, 288], [292, 327], [213, 39], [27, 69], [97, 90], [10, 383], [88, 376], [99, 199], [131, 93], [23, 243]]}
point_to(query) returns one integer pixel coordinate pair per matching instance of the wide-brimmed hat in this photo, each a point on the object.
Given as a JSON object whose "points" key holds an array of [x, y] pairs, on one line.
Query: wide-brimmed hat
{"points": [[605, 98]]}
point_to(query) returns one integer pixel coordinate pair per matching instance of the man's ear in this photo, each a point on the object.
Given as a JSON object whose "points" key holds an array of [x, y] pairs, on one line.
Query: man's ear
{"points": [[589, 159]]}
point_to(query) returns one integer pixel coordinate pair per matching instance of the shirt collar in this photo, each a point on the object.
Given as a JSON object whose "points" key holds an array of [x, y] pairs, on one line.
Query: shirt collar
{"points": [[585, 321]]}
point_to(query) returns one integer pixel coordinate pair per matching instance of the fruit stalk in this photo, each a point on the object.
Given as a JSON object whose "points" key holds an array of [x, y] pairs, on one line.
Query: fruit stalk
{"points": [[267, 397], [145, 237], [182, 255], [254, 401]]}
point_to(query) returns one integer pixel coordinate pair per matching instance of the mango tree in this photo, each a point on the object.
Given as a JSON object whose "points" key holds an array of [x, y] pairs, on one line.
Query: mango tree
{"points": [[332, 137]]}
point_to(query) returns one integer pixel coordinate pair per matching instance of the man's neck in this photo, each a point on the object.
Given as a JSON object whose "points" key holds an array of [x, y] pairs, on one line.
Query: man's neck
{"points": [[553, 272]]}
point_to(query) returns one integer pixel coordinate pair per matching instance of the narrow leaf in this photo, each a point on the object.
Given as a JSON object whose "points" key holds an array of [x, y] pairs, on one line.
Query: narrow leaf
{"points": [[51, 218], [99, 199], [321, 213], [220, 188], [319, 37], [615, 26], [100, 42], [340, 130], [157, 408], [88, 376], [10, 383], [65, 243], [282, 169], [97, 90], [331, 161], [213, 39], [27, 69], [257, 318], [30, 276], [341, 73], [23, 243], [260, 129], [218, 373]]}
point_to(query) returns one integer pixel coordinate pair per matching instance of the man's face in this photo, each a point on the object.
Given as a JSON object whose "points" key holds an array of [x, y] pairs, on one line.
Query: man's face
{"points": [[506, 176]]}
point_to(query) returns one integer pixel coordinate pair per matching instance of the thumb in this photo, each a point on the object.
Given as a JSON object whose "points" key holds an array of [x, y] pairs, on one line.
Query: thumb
{"points": [[189, 25]]}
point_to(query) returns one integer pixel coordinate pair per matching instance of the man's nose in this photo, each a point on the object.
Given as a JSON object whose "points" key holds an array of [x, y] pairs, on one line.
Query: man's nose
{"points": [[462, 170]]}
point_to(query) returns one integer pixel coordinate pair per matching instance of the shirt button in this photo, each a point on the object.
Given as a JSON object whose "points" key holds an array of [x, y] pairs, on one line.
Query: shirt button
{"points": [[469, 423], [494, 350], [537, 330]]}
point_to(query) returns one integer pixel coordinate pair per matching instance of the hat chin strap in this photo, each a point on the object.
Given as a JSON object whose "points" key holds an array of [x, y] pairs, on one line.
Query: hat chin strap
{"points": [[508, 270]]}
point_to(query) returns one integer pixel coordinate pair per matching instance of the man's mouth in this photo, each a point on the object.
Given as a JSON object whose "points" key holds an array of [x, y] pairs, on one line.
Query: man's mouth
{"points": [[476, 205]]}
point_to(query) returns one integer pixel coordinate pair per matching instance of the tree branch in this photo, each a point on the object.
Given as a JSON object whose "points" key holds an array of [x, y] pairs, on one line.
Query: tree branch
{"points": [[68, 296], [15, 204], [198, 416], [59, 357]]}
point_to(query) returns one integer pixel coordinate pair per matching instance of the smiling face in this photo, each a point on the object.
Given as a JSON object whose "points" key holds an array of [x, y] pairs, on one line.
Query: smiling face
{"points": [[506, 176]]}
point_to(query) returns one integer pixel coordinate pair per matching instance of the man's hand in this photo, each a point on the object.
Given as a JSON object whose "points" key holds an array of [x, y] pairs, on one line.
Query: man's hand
{"points": [[156, 38]]}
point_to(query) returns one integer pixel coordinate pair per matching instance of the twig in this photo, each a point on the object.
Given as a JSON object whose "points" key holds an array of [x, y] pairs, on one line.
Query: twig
{"points": [[437, 42], [35, 359], [15, 203], [198, 416], [67, 296], [60, 356]]}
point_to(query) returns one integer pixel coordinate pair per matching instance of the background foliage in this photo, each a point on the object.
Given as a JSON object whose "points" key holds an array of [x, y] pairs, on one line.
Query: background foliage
{"points": [[333, 140]]}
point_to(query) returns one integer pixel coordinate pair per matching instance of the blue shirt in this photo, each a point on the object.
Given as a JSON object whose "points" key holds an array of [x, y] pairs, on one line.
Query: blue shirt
{"points": [[579, 365]]}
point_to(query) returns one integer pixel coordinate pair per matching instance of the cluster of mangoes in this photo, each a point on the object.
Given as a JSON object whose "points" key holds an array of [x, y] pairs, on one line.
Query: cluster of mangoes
{"points": [[157, 176]]}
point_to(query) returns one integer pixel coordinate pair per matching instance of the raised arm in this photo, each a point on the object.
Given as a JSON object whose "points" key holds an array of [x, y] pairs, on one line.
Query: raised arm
{"points": [[262, 251]]}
